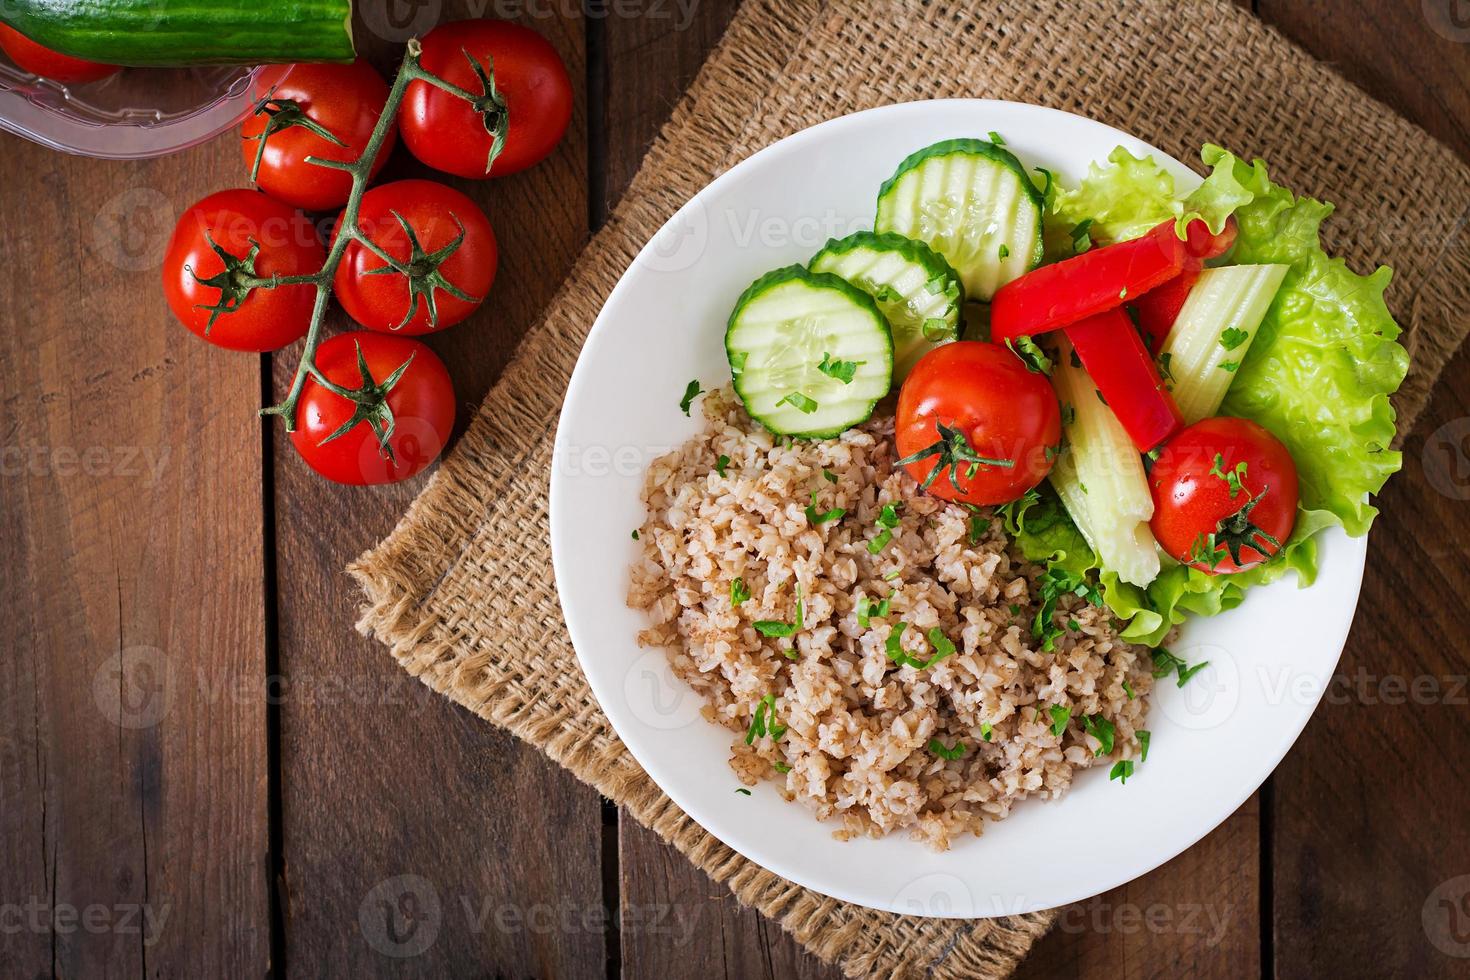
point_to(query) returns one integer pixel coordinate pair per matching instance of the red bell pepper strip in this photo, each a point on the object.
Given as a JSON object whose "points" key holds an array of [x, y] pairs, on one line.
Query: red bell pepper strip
{"points": [[1127, 377], [1159, 308], [1094, 282]]}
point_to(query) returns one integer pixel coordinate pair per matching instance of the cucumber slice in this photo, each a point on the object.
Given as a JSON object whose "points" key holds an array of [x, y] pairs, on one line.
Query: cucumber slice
{"points": [[973, 203], [810, 353], [917, 290]]}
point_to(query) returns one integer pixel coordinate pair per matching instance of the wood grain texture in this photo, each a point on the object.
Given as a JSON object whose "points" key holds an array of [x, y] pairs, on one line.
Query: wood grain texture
{"points": [[1369, 816], [1410, 54], [133, 742], [420, 841]]}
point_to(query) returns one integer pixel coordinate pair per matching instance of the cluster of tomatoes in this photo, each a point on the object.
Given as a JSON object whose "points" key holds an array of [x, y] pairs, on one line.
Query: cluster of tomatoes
{"points": [[376, 405]]}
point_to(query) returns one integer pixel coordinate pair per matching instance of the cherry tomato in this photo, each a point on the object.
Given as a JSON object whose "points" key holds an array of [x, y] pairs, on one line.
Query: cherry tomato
{"points": [[303, 100], [32, 57], [977, 425], [1225, 495], [201, 285], [418, 403], [530, 99], [423, 300]]}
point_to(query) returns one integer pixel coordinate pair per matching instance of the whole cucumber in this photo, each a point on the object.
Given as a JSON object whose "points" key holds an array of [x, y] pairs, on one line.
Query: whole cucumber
{"points": [[152, 33]]}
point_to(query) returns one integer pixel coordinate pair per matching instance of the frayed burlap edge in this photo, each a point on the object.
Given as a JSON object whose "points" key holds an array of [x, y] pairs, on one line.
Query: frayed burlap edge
{"points": [[421, 598]]}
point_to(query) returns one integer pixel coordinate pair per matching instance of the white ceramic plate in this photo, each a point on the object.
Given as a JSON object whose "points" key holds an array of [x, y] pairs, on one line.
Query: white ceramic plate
{"points": [[1214, 741]]}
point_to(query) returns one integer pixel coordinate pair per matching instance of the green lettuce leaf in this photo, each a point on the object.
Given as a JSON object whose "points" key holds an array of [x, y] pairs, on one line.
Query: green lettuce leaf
{"points": [[1325, 359], [1129, 195], [1318, 376]]}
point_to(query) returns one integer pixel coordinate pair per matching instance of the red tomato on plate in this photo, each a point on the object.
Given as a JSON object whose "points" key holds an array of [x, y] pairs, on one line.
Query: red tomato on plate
{"points": [[530, 99], [343, 100], [261, 237], [340, 438], [1225, 495], [976, 425], [437, 287], [38, 60]]}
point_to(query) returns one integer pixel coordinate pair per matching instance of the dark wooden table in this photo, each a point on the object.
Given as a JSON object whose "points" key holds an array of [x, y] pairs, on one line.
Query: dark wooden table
{"points": [[204, 771]]}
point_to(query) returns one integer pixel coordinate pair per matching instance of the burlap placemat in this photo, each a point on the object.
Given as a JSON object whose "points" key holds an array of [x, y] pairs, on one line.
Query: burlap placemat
{"points": [[462, 590]]}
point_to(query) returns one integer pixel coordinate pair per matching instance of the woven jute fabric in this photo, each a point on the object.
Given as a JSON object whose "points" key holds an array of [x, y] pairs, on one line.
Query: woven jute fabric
{"points": [[462, 591]]}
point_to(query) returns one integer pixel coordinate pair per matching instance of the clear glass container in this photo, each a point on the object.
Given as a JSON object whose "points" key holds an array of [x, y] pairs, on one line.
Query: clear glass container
{"points": [[138, 112]]}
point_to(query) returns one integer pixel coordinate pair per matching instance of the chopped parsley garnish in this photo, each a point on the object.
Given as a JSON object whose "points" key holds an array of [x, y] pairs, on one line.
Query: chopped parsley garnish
{"points": [[763, 722], [1005, 251], [691, 392], [996, 138], [898, 655], [1233, 337], [799, 402], [635, 534], [1056, 583], [721, 463], [936, 329], [1121, 770], [1081, 240], [1187, 672], [1046, 187], [737, 362], [887, 519], [841, 370], [1101, 729], [885, 293], [1031, 355], [1207, 551], [890, 576], [1014, 609], [1166, 663], [1074, 626], [1143, 737], [743, 791], [1059, 718], [1234, 478], [791, 654], [1164, 371], [814, 518], [868, 608], [937, 747], [985, 730], [979, 524], [739, 592], [1229, 366], [829, 476], [1128, 689], [780, 630], [781, 767]]}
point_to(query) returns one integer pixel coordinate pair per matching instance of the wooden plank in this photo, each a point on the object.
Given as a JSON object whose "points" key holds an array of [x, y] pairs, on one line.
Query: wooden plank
{"points": [[418, 839], [1411, 54], [1369, 806], [133, 745]]}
